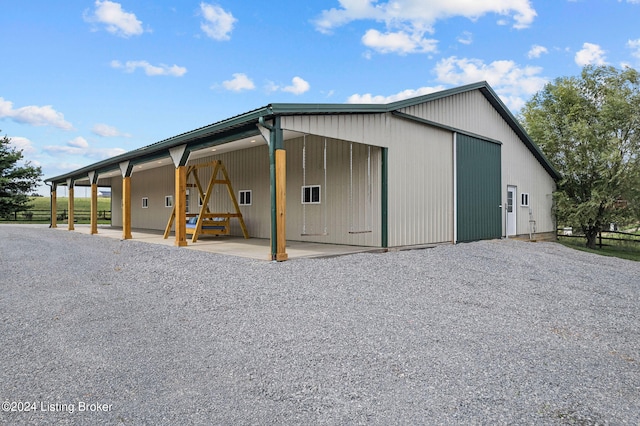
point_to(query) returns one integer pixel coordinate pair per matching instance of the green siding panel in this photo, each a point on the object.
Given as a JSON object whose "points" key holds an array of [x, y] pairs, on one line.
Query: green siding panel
{"points": [[478, 189]]}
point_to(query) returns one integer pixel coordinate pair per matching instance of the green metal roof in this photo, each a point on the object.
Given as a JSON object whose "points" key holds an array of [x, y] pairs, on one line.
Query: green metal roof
{"points": [[243, 125]]}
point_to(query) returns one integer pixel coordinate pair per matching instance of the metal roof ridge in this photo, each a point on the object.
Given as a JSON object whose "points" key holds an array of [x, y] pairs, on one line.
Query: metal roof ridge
{"points": [[435, 95], [310, 108]]}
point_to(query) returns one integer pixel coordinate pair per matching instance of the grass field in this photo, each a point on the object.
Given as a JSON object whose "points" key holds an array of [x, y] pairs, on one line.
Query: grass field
{"points": [[622, 249], [40, 208]]}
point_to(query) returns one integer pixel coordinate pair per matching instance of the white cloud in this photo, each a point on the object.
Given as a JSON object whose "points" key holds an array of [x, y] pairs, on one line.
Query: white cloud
{"points": [[78, 142], [151, 70], [80, 147], [398, 42], [420, 18], [107, 131], [465, 38], [407, 21], [117, 21], [634, 45], [23, 144], [379, 99], [218, 22], [298, 86], [239, 83], [34, 115], [536, 51], [591, 54], [514, 84]]}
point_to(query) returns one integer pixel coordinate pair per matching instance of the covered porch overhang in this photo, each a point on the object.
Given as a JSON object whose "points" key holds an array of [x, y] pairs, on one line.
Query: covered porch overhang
{"points": [[256, 128]]}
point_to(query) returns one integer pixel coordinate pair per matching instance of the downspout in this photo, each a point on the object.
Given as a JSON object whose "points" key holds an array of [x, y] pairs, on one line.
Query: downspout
{"points": [[272, 186]]}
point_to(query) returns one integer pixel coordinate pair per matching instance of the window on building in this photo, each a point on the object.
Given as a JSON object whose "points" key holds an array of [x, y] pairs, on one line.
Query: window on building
{"points": [[145, 202], [187, 202], [311, 194], [168, 201], [244, 197], [524, 199]]}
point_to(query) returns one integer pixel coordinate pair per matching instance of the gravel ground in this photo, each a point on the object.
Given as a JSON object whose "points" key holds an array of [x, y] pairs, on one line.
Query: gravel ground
{"points": [[493, 332]]}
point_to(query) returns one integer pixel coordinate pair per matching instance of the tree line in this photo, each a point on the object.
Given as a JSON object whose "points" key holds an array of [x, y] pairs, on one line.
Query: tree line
{"points": [[589, 128]]}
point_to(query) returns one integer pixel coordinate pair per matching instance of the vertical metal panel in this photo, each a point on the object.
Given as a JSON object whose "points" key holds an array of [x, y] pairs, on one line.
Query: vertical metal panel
{"points": [[420, 184], [346, 205], [478, 189], [116, 201], [153, 184], [369, 129], [470, 111]]}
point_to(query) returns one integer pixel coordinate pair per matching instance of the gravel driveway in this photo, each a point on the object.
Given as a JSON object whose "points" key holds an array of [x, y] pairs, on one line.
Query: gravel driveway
{"points": [[101, 331]]}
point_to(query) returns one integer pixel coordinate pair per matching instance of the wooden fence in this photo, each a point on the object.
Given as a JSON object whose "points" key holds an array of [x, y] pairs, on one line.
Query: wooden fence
{"points": [[625, 237], [62, 215]]}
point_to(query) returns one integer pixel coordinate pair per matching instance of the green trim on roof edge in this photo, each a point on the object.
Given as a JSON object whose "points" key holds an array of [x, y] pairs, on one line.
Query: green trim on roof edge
{"points": [[504, 112], [207, 135]]}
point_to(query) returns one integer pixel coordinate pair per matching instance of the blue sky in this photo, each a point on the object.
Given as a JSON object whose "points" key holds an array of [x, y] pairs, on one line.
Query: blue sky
{"points": [[81, 81]]}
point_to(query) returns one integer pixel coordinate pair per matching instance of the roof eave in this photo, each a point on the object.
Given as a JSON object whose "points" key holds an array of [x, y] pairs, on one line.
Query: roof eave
{"points": [[504, 112], [153, 150], [161, 148]]}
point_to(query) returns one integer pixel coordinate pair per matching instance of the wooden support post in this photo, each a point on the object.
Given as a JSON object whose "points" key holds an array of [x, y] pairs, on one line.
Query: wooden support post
{"points": [[281, 204], [126, 208], [94, 208], [71, 226], [54, 207], [179, 203]]}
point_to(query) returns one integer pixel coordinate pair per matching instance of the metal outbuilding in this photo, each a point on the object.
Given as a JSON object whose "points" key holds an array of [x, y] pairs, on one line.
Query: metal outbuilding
{"points": [[451, 166]]}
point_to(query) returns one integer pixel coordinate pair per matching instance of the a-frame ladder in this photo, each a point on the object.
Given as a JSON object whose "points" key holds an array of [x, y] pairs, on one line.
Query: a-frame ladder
{"points": [[210, 223]]}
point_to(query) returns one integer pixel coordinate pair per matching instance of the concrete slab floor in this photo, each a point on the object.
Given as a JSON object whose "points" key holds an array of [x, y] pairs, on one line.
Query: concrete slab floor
{"points": [[253, 248]]}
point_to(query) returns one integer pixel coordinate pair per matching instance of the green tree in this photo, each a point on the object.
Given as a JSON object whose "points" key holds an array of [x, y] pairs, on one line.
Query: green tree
{"points": [[16, 180], [589, 128]]}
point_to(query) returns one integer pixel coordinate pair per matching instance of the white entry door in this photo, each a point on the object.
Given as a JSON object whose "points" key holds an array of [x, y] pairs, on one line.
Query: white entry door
{"points": [[511, 210]]}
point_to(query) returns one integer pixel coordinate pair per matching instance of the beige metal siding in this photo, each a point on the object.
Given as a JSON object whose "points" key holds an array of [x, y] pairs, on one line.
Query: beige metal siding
{"points": [[518, 169], [470, 111], [420, 184], [369, 129], [349, 212], [153, 184], [420, 171], [116, 201]]}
